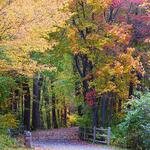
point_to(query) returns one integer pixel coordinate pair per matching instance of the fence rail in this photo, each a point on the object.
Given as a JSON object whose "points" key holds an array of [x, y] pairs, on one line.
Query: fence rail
{"points": [[95, 135]]}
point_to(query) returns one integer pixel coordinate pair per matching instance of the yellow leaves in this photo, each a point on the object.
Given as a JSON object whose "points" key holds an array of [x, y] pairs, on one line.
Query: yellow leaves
{"points": [[99, 5], [109, 87], [9, 121], [130, 50], [24, 24], [72, 33], [118, 68], [93, 37]]}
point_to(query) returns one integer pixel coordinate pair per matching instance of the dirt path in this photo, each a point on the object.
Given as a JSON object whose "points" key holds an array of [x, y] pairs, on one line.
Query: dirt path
{"points": [[67, 145]]}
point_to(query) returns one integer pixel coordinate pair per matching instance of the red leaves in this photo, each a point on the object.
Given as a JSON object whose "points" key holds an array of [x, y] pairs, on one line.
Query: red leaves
{"points": [[116, 3], [90, 97], [136, 1]]}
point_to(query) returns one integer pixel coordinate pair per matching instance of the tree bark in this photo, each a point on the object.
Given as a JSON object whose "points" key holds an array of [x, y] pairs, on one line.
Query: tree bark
{"points": [[54, 119], [131, 87], [119, 105], [36, 103], [27, 100], [65, 116], [103, 110], [95, 114]]}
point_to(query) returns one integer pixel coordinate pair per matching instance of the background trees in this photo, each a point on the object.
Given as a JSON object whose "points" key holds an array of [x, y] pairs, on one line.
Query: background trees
{"points": [[81, 60]]}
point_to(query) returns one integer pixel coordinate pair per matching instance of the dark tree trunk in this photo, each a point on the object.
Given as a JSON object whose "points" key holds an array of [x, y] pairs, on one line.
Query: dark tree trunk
{"points": [[15, 101], [103, 111], [119, 105], [54, 119], [111, 110], [62, 116], [114, 106], [36, 103], [80, 110], [131, 87], [47, 103], [84, 68], [48, 121], [65, 115], [58, 117], [22, 107], [27, 100], [41, 115], [95, 115]]}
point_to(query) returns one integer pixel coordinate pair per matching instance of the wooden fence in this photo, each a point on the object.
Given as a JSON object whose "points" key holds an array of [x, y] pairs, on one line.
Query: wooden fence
{"points": [[95, 135]]}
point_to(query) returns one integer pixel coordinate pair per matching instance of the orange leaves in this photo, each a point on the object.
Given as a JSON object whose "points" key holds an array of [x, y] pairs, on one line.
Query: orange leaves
{"points": [[118, 68], [120, 33]]}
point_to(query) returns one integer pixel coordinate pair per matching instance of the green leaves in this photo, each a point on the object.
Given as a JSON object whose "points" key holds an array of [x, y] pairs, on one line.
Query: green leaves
{"points": [[137, 123], [6, 85]]}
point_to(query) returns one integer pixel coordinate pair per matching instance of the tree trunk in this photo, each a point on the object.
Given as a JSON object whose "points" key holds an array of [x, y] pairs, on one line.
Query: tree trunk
{"points": [[111, 110], [95, 114], [65, 116], [27, 99], [58, 116], [47, 104], [119, 105], [54, 119], [36, 103], [103, 111], [131, 89]]}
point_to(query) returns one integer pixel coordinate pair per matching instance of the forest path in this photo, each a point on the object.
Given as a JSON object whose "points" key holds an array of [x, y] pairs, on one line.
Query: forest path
{"points": [[68, 145], [63, 139]]}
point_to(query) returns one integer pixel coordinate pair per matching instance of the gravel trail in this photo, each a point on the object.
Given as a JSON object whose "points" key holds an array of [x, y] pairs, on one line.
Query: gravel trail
{"points": [[67, 145]]}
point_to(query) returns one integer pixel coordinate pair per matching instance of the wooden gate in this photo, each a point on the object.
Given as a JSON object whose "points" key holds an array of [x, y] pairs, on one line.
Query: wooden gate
{"points": [[95, 135]]}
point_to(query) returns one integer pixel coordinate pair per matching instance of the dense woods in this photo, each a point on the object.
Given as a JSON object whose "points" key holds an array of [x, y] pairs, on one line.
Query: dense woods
{"points": [[76, 63]]}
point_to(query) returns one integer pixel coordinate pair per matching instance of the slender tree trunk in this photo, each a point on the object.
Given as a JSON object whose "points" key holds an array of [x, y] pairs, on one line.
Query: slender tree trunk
{"points": [[65, 116], [111, 110], [119, 105], [41, 114], [47, 104], [95, 114], [58, 116], [103, 110], [16, 99], [62, 116], [131, 87], [36, 103], [27, 99], [22, 107], [54, 119]]}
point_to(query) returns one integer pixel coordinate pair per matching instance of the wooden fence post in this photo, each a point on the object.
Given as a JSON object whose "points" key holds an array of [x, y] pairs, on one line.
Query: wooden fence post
{"points": [[108, 136], [94, 134]]}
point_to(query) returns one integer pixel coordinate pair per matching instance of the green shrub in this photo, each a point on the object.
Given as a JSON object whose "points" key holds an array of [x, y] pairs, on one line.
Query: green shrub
{"points": [[6, 142], [7, 121], [86, 119], [134, 131]]}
